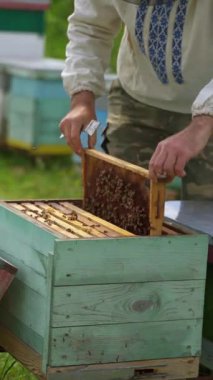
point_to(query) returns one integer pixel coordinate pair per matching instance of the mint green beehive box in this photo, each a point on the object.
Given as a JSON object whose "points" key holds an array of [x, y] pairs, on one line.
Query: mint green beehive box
{"points": [[115, 308], [35, 106]]}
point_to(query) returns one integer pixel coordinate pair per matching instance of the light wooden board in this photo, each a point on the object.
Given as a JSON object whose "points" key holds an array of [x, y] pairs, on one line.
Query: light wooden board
{"points": [[122, 193], [138, 259], [125, 342], [169, 369], [122, 303], [65, 220]]}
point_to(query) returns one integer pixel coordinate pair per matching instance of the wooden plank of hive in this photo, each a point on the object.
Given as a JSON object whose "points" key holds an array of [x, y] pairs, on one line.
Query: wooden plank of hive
{"points": [[72, 218], [112, 229], [54, 218], [68, 226], [169, 369], [123, 194], [43, 221], [81, 217]]}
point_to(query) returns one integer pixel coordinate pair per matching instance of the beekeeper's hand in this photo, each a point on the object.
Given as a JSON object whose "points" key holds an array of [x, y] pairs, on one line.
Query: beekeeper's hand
{"points": [[81, 113], [173, 153]]}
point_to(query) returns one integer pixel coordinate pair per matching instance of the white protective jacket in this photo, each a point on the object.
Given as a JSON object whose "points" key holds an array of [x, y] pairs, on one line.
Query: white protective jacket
{"points": [[165, 58]]}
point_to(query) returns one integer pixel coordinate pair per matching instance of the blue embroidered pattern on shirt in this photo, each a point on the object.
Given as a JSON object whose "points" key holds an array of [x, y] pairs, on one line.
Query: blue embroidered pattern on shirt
{"points": [[177, 41], [140, 17], [158, 33], [158, 39]]}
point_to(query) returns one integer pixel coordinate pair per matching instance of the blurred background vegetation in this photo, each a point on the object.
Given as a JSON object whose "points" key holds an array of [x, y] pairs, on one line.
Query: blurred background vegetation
{"points": [[57, 31], [22, 177]]}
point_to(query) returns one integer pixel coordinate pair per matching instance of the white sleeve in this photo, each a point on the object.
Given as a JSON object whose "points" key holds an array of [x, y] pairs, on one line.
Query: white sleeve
{"points": [[91, 30], [203, 104]]}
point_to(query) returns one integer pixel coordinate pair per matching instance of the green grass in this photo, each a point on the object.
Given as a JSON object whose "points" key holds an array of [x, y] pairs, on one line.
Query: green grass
{"points": [[23, 178], [12, 370]]}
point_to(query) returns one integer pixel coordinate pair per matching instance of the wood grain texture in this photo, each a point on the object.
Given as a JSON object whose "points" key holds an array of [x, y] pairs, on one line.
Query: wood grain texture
{"points": [[21, 331], [113, 231], [169, 369], [26, 234], [116, 161], [26, 306], [125, 342], [138, 259], [47, 317], [101, 230], [156, 207], [66, 220], [108, 304], [26, 274]]}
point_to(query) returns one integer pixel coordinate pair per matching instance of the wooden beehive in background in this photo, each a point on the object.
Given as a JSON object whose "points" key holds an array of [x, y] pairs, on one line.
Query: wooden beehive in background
{"points": [[36, 103], [92, 301]]}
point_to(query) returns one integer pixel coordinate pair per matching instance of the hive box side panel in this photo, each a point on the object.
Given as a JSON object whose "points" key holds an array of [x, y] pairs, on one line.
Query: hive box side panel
{"points": [[127, 303], [27, 306], [125, 342], [25, 239], [118, 300], [28, 247], [138, 259], [21, 331]]}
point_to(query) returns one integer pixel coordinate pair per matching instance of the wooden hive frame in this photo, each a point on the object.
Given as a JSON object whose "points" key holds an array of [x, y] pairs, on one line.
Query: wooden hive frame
{"points": [[95, 162]]}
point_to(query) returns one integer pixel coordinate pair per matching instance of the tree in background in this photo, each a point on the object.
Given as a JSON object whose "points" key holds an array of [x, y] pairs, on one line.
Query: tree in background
{"points": [[56, 36]]}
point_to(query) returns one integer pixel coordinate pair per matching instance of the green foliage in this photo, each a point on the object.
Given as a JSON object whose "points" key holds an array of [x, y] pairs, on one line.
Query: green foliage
{"points": [[12, 370], [56, 35]]}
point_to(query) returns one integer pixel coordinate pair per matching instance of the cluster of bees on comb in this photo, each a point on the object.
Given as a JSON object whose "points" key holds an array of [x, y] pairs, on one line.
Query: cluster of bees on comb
{"points": [[116, 201]]}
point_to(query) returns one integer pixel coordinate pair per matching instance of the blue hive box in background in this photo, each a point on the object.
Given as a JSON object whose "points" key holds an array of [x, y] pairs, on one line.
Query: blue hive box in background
{"points": [[36, 103]]}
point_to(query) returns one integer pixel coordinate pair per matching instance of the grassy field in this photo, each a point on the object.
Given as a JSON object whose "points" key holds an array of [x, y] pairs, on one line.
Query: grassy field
{"points": [[11, 370], [22, 178]]}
